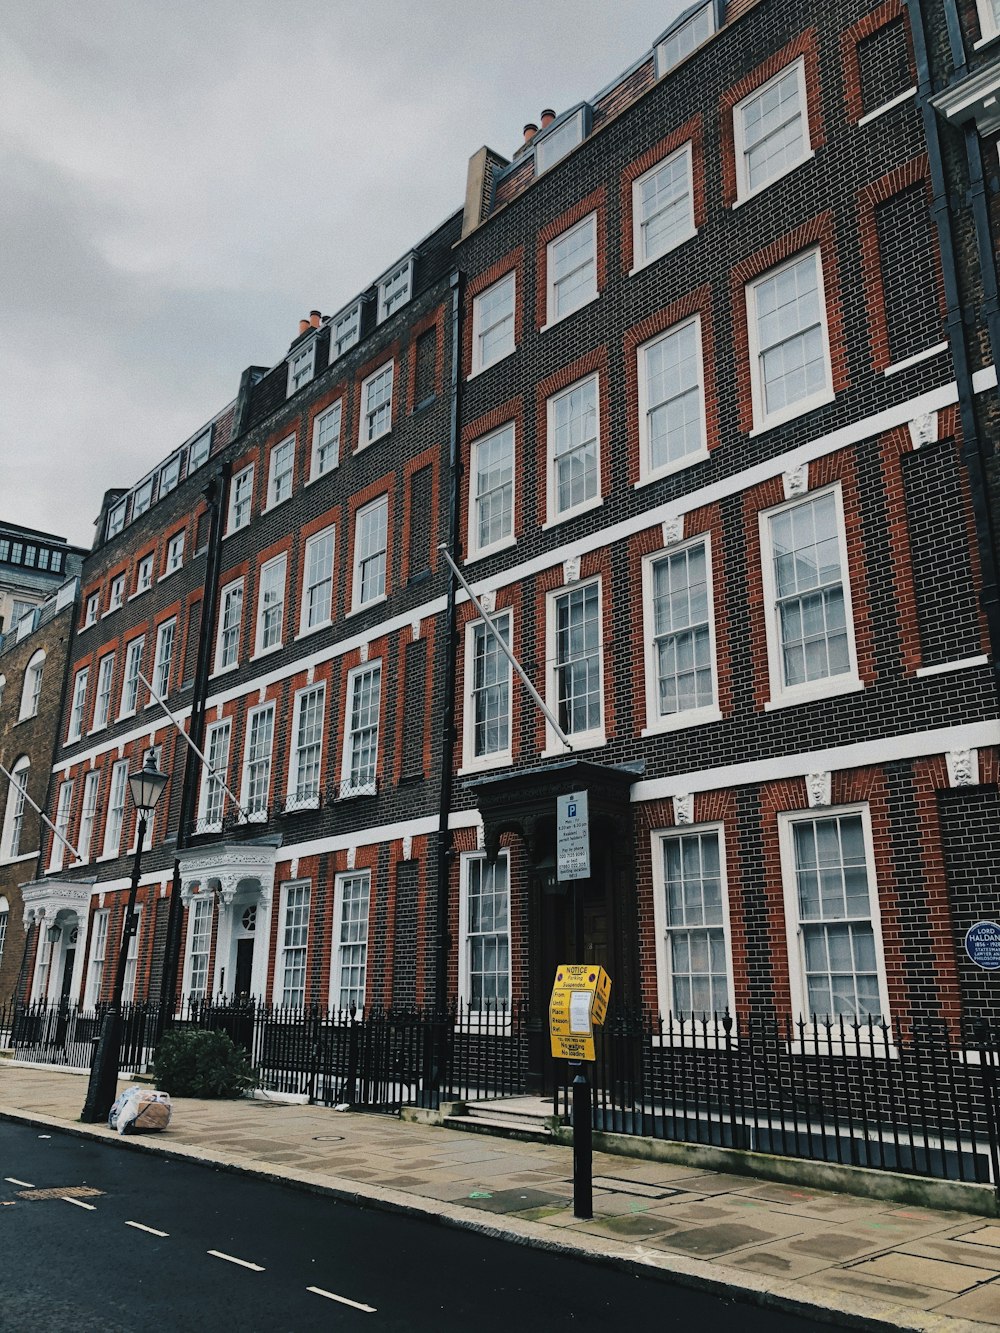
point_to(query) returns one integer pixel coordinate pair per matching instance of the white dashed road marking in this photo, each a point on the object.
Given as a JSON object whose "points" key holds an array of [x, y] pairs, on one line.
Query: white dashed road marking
{"points": [[231, 1259], [152, 1230], [343, 1300], [78, 1203], [12, 1180]]}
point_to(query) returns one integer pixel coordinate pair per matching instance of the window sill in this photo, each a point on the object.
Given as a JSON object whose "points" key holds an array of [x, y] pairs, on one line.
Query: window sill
{"points": [[293, 805], [275, 504], [169, 572], [689, 460], [963, 665], [313, 629], [253, 817], [916, 358], [347, 793], [230, 532], [985, 40], [312, 480], [138, 592], [471, 766], [551, 323], [825, 689], [585, 740], [482, 553], [367, 444], [22, 856], [694, 717], [366, 606], [267, 652], [584, 508], [124, 717], [481, 370], [225, 671], [108, 856], [646, 263], [93, 730], [111, 610], [790, 413], [869, 116], [745, 198]]}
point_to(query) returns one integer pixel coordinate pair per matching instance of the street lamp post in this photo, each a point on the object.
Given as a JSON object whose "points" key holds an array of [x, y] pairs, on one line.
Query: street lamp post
{"points": [[146, 787]]}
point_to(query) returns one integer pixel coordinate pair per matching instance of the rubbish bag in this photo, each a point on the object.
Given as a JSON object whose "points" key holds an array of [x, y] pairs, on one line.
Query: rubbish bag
{"points": [[140, 1110]]}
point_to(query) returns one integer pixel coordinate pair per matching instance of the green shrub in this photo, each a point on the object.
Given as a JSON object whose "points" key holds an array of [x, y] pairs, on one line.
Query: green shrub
{"points": [[202, 1064]]}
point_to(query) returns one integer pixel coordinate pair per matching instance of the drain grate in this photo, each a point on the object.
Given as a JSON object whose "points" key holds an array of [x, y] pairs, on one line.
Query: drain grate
{"points": [[65, 1192], [636, 1187]]}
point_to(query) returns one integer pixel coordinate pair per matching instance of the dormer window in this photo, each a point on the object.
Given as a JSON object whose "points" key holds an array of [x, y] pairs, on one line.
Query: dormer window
{"points": [[170, 474], [116, 519], [679, 41], [198, 450], [301, 366], [142, 497], [395, 289], [345, 330], [560, 137]]}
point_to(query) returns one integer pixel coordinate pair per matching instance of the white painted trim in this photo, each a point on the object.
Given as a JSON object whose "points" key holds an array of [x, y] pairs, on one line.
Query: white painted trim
{"points": [[640, 261], [581, 740], [963, 665], [916, 358], [744, 192], [552, 514], [655, 723], [465, 859], [886, 106], [647, 472], [336, 969], [862, 754], [478, 365], [764, 420], [551, 318], [473, 548], [501, 758]]}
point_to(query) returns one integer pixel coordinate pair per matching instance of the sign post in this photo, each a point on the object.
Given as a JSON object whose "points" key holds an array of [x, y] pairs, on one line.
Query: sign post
{"points": [[579, 1002], [572, 837]]}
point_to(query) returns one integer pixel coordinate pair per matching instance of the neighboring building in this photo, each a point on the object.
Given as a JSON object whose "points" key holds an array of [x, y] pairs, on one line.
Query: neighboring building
{"points": [[709, 458], [32, 681], [33, 565]]}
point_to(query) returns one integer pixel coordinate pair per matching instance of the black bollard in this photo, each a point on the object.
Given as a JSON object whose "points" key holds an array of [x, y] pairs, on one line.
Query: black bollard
{"points": [[583, 1147]]}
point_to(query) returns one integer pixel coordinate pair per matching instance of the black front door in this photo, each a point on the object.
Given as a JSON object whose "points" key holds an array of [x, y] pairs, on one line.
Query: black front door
{"points": [[67, 976], [244, 967]]}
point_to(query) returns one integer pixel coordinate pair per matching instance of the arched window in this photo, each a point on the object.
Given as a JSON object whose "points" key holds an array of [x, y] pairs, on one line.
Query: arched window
{"points": [[13, 823], [4, 914], [32, 691]]}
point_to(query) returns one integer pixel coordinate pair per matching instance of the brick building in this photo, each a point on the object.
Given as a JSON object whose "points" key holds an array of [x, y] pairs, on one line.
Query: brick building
{"points": [[33, 660], [33, 566], [687, 391]]}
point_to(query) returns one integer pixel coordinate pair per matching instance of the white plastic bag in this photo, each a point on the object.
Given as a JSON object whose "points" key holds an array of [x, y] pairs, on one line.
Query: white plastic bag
{"points": [[139, 1110]]}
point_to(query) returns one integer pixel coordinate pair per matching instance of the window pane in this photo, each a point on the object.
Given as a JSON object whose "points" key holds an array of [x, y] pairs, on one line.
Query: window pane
{"points": [[673, 398], [578, 659], [494, 472]]}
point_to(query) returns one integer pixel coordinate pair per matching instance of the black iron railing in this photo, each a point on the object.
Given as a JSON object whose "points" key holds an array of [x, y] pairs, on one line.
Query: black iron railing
{"points": [[924, 1102]]}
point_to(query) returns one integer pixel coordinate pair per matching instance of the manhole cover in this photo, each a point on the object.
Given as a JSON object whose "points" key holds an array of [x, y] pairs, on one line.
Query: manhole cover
{"points": [[65, 1192], [328, 1138]]}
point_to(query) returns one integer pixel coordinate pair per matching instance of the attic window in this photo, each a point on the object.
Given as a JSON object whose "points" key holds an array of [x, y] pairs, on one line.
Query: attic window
{"points": [[560, 138], [170, 474], [301, 365], [345, 330], [198, 450], [395, 289], [678, 42], [116, 519]]}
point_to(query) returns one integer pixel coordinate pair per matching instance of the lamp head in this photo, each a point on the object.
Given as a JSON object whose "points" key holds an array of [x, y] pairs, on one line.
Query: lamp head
{"points": [[147, 785]]}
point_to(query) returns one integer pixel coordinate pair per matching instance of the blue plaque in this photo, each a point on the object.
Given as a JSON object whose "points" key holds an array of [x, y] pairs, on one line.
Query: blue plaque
{"points": [[982, 944]]}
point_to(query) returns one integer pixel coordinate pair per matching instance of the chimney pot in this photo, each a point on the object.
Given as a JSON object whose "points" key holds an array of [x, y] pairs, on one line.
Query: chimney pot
{"points": [[303, 325], [548, 116], [314, 318], [529, 132]]}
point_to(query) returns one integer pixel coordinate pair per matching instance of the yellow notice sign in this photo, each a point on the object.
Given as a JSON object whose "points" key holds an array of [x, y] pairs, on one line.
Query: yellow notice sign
{"points": [[579, 1001]]}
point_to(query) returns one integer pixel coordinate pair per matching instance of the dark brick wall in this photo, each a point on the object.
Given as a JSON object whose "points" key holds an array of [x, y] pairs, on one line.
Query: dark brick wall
{"points": [[970, 834]]}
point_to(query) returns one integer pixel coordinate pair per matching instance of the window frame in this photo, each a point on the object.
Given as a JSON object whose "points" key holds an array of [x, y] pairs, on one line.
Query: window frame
{"points": [[88, 815], [662, 65], [316, 470], [685, 1027], [116, 594], [114, 820], [465, 973], [12, 830], [102, 694], [797, 982], [142, 496], [657, 722], [366, 415], [744, 190], [554, 515], [348, 787], [195, 905], [131, 956], [131, 666], [196, 456], [208, 788], [293, 799], [551, 282], [163, 661], [577, 118], [304, 357], [338, 944], [175, 554], [92, 610], [78, 705], [282, 948], [240, 505], [359, 563], [762, 419], [350, 315], [475, 549], [471, 762], [306, 624], [257, 814], [276, 568], [144, 575], [221, 653], [169, 475], [99, 933], [640, 259], [479, 364], [647, 471], [116, 519], [276, 479], [989, 22], [592, 737], [823, 687]]}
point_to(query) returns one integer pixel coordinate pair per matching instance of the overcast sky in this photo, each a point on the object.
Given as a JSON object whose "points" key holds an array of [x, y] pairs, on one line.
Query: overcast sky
{"points": [[183, 181]]}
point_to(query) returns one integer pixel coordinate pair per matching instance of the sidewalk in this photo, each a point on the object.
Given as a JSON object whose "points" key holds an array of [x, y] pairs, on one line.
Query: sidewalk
{"points": [[859, 1262]]}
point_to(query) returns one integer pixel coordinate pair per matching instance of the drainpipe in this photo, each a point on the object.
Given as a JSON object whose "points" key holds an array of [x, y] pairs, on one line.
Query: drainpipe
{"points": [[444, 857], [972, 444]]}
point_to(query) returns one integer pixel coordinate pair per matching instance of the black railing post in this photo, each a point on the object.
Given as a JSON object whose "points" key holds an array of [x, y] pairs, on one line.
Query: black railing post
{"points": [[583, 1146]]}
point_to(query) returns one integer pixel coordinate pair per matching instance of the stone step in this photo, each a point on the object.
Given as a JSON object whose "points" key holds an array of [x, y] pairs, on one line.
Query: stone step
{"points": [[522, 1127]]}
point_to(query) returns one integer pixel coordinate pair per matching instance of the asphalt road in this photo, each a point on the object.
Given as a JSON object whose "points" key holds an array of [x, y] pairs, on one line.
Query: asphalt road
{"points": [[169, 1246]]}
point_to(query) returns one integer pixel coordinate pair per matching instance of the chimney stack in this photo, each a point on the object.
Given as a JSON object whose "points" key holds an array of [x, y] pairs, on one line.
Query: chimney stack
{"points": [[303, 325], [548, 116], [315, 318], [529, 132]]}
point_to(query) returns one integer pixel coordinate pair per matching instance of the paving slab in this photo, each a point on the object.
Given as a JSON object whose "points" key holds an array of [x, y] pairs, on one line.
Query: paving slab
{"points": [[982, 1305], [938, 1273], [859, 1284], [709, 1242], [954, 1251]]}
